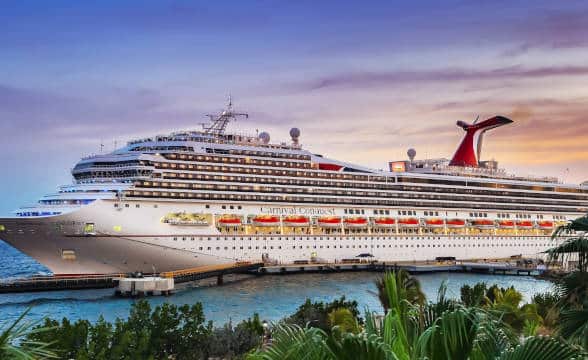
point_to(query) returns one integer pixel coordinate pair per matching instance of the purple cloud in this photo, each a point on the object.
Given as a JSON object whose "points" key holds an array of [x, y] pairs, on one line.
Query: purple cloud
{"points": [[388, 78]]}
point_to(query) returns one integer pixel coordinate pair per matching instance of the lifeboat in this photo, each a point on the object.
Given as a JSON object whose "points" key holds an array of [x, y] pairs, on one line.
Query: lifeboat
{"points": [[296, 221], [434, 222], [455, 223], [483, 224], [506, 224], [385, 222], [266, 220], [229, 221], [355, 222], [408, 222], [545, 224], [525, 224], [329, 221]]}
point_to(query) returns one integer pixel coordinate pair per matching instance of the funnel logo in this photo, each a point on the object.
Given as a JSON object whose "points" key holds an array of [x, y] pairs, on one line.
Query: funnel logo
{"points": [[468, 152]]}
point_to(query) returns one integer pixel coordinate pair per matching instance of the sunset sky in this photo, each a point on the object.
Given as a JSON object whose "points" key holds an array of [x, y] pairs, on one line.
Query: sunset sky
{"points": [[364, 81]]}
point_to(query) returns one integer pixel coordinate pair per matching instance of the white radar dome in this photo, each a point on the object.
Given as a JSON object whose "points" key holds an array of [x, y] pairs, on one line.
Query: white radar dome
{"points": [[411, 154], [295, 133], [265, 137]]}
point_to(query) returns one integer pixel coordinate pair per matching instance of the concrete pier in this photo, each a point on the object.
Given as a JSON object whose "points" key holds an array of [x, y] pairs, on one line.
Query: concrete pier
{"points": [[147, 286], [497, 268]]}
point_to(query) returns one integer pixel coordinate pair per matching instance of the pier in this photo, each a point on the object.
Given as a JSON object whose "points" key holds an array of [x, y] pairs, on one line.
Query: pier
{"points": [[127, 284], [164, 283], [59, 282], [494, 268]]}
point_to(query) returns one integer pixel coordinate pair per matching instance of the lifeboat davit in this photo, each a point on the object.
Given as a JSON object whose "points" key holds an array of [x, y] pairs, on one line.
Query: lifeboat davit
{"points": [[546, 224], [455, 223], [355, 222], [483, 224], [329, 221], [229, 221], [506, 224], [408, 222], [526, 224], [385, 222], [296, 221], [434, 222], [266, 220]]}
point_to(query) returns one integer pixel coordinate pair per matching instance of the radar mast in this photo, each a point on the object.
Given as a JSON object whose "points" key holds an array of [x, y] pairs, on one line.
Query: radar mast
{"points": [[219, 122]]}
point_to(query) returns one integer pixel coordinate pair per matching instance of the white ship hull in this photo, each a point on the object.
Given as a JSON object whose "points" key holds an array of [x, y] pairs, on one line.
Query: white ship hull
{"points": [[134, 238]]}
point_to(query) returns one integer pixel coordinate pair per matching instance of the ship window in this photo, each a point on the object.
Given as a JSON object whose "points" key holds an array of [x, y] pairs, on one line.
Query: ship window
{"points": [[115, 205], [89, 228], [126, 205], [68, 254]]}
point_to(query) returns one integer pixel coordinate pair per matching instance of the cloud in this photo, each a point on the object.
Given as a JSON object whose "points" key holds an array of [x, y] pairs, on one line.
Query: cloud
{"points": [[355, 79], [552, 30], [47, 116]]}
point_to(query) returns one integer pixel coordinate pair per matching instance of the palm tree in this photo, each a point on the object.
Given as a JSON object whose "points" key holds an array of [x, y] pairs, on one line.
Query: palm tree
{"points": [[572, 289], [16, 344], [408, 284], [456, 333], [575, 246]]}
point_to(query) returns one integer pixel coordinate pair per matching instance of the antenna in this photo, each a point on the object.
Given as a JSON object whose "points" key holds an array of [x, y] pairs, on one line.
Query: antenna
{"points": [[220, 121], [101, 145]]}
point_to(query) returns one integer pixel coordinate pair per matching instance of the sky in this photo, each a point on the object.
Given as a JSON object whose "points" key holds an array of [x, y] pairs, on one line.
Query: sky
{"points": [[364, 81]]}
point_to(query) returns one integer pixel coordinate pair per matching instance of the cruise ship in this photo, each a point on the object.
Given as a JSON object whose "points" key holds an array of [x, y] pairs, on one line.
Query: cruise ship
{"points": [[208, 196]]}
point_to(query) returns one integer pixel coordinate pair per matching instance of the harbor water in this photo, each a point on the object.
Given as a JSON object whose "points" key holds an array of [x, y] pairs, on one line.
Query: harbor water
{"points": [[272, 296]]}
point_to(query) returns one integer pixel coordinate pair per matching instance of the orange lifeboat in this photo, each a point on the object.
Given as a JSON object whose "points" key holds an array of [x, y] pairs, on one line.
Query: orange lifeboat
{"points": [[545, 224], [525, 224], [355, 222], [408, 222], [296, 221], [385, 222], [506, 224], [329, 221], [483, 224], [266, 220], [229, 221], [434, 222], [455, 223]]}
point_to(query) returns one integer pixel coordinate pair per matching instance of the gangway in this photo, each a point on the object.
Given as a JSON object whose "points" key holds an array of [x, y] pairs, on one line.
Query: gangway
{"points": [[203, 272]]}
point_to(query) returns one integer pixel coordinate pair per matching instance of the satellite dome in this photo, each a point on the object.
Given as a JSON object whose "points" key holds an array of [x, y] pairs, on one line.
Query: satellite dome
{"points": [[295, 133], [265, 137], [411, 154]]}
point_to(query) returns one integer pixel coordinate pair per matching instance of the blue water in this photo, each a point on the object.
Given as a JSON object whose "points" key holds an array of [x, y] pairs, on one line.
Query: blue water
{"points": [[273, 297]]}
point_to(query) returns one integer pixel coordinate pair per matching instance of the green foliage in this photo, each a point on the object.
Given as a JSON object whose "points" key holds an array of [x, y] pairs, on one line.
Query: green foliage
{"points": [[343, 318], [547, 307], [168, 331], [507, 306], [474, 296], [574, 325], [543, 348], [16, 341], [408, 284], [292, 342], [315, 314]]}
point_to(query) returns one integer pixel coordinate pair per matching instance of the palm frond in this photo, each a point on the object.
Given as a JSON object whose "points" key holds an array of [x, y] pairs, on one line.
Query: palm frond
{"points": [[542, 348], [574, 325], [15, 344], [571, 249], [291, 342]]}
